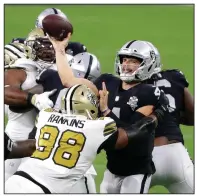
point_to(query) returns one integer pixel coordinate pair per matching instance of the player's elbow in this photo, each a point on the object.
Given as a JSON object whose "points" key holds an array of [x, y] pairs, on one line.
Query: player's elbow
{"points": [[69, 82]]}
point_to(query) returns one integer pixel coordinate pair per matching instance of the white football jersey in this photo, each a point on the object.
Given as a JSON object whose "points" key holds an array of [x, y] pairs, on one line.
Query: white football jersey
{"points": [[66, 147], [21, 124]]}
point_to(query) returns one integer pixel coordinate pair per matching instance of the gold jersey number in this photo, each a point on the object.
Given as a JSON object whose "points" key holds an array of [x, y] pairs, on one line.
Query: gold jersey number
{"points": [[67, 149]]}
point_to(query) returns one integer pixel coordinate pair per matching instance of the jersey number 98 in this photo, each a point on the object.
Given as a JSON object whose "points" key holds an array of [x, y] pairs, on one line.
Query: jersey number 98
{"points": [[64, 151]]}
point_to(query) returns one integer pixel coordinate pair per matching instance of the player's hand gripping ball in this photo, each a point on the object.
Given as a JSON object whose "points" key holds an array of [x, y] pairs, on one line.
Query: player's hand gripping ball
{"points": [[57, 26]]}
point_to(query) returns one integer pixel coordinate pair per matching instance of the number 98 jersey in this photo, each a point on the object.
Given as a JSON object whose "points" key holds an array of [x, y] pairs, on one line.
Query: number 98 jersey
{"points": [[66, 147], [172, 82]]}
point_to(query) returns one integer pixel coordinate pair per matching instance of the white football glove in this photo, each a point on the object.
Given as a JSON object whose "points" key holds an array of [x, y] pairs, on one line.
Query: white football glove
{"points": [[42, 101]]}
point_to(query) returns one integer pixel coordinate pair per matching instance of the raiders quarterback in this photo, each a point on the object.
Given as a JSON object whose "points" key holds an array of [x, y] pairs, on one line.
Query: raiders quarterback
{"points": [[146, 98], [174, 168]]}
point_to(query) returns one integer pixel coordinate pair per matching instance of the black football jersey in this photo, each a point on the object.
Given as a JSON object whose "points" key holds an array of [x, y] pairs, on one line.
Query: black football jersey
{"points": [[50, 80], [136, 158], [172, 82]]}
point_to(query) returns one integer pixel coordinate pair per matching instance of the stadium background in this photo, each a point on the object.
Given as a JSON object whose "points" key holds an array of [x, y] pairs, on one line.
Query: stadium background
{"points": [[103, 29]]}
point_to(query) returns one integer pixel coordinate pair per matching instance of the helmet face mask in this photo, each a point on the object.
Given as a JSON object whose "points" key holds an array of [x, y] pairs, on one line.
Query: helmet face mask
{"points": [[80, 100], [42, 50], [149, 56]]}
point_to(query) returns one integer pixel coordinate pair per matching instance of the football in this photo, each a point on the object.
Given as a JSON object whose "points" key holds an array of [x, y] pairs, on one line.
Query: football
{"points": [[57, 26]]}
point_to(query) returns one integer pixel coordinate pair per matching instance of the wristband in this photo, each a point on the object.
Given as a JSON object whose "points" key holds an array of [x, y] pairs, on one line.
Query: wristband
{"points": [[29, 98], [104, 111]]}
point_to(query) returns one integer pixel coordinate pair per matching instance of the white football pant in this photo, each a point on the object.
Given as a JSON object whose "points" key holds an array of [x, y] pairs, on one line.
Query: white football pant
{"points": [[174, 168]]}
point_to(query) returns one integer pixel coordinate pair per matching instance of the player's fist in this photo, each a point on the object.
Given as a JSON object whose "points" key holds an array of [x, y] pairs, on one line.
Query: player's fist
{"points": [[42, 101], [162, 107]]}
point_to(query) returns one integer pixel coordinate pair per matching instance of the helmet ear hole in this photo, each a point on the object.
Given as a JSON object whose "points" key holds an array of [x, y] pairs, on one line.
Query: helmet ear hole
{"points": [[92, 111], [82, 93]]}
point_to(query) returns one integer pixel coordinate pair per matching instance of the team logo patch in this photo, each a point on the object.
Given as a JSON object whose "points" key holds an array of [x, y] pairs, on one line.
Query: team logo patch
{"points": [[133, 102]]}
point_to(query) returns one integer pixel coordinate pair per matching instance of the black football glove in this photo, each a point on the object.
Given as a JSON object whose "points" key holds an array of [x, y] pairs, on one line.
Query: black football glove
{"points": [[162, 107], [141, 128]]}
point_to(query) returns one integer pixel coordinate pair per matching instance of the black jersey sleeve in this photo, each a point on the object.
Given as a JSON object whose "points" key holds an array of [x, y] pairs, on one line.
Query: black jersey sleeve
{"points": [[149, 95], [181, 78], [119, 123], [178, 77], [135, 117], [7, 145], [102, 78], [50, 80], [44, 75]]}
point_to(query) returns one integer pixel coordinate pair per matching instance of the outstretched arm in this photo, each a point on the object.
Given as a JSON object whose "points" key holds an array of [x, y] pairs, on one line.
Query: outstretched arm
{"points": [[64, 70]]}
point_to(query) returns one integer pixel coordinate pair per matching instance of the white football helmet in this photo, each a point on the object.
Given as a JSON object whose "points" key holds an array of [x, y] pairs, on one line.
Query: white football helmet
{"points": [[47, 12], [86, 65], [144, 51]]}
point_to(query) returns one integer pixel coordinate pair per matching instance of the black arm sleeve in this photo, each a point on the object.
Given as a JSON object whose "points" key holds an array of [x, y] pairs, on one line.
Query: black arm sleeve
{"points": [[134, 118], [141, 128], [7, 145], [109, 144], [32, 134]]}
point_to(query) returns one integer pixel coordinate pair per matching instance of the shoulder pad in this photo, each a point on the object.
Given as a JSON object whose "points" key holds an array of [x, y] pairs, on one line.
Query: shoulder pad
{"points": [[26, 64], [177, 76], [105, 77], [75, 48]]}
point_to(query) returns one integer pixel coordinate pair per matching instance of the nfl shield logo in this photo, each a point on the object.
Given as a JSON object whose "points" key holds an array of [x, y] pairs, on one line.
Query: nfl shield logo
{"points": [[133, 102]]}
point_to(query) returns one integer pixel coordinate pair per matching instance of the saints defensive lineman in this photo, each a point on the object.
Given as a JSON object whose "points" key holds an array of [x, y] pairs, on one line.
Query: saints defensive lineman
{"points": [[84, 69], [21, 114], [67, 144]]}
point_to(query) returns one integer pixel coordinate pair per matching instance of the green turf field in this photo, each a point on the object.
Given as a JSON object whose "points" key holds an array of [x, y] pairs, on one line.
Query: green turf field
{"points": [[105, 28]]}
